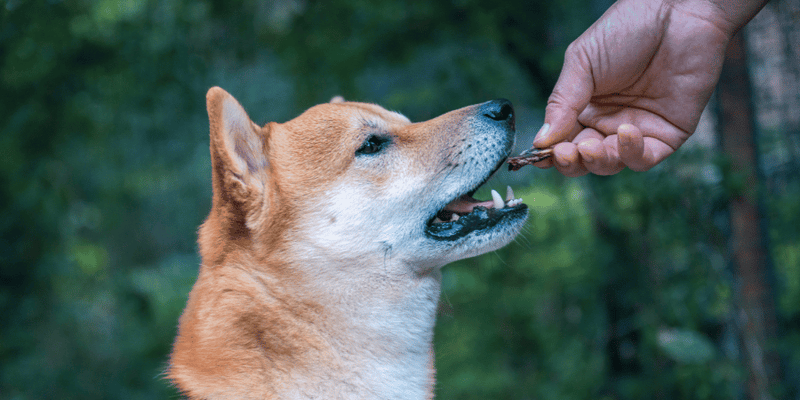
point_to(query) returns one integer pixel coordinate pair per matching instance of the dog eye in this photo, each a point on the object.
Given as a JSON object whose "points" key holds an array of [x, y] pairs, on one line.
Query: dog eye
{"points": [[372, 145]]}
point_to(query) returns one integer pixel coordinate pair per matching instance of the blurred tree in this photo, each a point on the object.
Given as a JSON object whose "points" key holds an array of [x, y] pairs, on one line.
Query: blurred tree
{"points": [[773, 40], [617, 289], [747, 239], [328, 44]]}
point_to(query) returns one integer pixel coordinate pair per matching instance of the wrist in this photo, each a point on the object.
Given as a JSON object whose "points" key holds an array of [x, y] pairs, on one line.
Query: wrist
{"points": [[728, 15]]}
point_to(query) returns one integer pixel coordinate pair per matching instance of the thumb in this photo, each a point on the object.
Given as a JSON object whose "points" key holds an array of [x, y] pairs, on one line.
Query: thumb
{"points": [[570, 96]]}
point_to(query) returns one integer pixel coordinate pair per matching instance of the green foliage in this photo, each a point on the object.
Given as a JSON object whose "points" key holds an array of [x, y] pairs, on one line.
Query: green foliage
{"points": [[686, 346], [620, 291], [619, 287]]}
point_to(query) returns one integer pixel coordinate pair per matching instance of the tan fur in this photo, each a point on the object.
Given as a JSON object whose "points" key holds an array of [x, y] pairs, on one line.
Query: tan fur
{"points": [[270, 315]]}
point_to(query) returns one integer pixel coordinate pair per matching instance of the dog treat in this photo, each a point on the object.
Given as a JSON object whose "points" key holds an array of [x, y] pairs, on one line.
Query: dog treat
{"points": [[528, 157]]}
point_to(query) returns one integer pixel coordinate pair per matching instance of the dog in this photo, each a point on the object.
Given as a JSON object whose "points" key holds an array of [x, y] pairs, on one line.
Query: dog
{"points": [[321, 255]]}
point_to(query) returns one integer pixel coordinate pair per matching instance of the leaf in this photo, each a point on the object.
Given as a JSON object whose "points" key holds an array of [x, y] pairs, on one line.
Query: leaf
{"points": [[686, 346]]}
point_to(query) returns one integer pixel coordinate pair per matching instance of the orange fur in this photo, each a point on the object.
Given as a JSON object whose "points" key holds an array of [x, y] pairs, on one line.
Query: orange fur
{"points": [[274, 315]]}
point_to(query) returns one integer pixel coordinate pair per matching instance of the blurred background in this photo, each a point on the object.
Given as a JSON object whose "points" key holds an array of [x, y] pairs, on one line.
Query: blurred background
{"points": [[679, 283]]}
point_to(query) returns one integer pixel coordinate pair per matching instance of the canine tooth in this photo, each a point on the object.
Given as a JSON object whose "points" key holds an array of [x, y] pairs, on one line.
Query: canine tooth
{"points": [[454, 218], [498, 201], [437, 220], [509, 193]]}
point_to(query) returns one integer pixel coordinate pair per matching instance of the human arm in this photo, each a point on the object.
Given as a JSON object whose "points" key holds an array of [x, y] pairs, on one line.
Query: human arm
{"points": [[634, 84]]}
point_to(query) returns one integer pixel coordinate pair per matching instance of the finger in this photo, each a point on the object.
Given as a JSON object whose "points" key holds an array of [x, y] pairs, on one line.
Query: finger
{"points": [[542, 138], [571, 94], [549, 162], [586, 134], [638, 152], [630, 145], [544, 164], [597, 158], [655, 151], [609, 119], [567, 160]]}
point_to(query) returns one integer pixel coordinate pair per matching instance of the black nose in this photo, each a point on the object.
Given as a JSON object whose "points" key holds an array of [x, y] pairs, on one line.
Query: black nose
{"points": [[499, 110]]}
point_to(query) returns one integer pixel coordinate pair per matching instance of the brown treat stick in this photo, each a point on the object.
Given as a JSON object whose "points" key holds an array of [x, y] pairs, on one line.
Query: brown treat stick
{"points": [[528, 157]]}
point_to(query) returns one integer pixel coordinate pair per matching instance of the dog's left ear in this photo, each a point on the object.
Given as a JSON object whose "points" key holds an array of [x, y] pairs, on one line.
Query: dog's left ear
{"points": [[238, 150]]}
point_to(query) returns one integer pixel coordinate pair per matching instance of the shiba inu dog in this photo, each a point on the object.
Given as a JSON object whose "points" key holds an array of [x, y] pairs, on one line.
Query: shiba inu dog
{"points": [[321, 256]]}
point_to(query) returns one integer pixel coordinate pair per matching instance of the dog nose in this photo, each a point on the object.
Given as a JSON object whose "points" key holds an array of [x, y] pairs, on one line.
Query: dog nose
{"points": [[499, 110]]}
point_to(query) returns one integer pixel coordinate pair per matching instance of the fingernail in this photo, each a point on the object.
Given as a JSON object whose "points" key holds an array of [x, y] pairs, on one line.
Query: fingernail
{"points": [[541, 136], [627, 128], [585, 157], [543, 131]]}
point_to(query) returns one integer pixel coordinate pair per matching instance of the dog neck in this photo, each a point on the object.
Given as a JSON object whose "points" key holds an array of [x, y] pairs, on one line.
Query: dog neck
{"points": [[378, 325], [350, 330]]}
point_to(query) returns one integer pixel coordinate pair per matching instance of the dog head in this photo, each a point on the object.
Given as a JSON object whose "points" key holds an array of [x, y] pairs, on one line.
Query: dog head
{"points": [[354, 183]]}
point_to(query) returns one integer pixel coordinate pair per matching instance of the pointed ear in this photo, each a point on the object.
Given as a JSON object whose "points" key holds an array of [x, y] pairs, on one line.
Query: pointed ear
{"points": [[237, 144]]}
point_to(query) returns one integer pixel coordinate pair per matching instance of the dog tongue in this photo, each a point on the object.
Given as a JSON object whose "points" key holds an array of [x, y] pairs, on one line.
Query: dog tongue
{"points": [[465, 204]]}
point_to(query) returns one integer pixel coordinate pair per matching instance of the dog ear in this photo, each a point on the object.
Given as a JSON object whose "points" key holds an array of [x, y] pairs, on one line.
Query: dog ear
{"points": [[238, 151]]}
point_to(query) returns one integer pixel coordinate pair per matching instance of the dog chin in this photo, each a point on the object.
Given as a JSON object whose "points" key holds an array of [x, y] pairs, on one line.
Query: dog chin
{"points": [[480, 241], [461, 226]]}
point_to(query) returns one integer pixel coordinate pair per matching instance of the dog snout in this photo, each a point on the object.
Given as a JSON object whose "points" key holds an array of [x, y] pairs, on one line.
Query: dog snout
{"points": [[499, 110]]}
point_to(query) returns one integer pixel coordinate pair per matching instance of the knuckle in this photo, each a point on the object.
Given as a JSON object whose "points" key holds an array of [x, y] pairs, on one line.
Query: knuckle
{"points": [[573, 170], [641, 168], [573, 48], [639, 165]]}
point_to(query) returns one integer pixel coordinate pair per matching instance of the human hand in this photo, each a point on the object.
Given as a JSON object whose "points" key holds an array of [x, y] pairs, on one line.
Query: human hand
{"points": [[634, 84]]}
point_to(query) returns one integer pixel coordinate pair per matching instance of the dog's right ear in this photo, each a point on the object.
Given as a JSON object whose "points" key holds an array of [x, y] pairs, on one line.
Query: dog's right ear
{"points": [[238, 147]]}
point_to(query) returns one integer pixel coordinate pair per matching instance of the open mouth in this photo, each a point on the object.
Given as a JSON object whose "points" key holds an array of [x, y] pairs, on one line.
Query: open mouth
{"points": [[466, 214]]}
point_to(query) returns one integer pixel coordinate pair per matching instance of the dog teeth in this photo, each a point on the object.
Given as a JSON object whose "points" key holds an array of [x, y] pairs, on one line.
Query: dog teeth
{"points": [[509, 193], [453, 218], [510, 200], [498, 201]]}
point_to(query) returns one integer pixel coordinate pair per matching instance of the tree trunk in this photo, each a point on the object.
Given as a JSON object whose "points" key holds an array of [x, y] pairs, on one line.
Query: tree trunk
{"points": [[756, 311]]}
